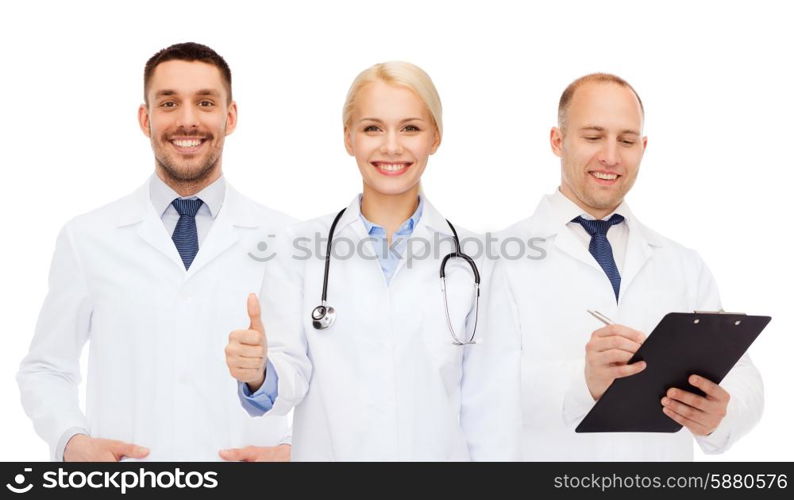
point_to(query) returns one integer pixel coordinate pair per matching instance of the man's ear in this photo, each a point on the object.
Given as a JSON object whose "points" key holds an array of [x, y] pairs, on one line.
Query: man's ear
{"points": [[143, 120], [231, 118], [555, 138]]}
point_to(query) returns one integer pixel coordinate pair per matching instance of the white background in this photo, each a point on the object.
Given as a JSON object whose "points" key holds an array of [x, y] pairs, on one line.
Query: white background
{"points": [[715, 78]]}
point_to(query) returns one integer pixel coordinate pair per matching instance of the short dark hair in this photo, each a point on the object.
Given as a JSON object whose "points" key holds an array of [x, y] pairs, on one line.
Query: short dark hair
{"points": [[188, 51], [570, 90]]}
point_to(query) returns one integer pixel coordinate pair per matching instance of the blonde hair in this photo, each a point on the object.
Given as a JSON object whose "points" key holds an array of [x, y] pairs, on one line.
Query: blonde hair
{"points": [[400, 73]]}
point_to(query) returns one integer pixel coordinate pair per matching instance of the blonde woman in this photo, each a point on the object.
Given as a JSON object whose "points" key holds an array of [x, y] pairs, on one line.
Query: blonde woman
{"points": [[378, 363]]}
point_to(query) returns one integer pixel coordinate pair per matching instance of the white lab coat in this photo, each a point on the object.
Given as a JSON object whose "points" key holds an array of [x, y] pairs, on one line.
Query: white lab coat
{"points": [[385, 381], [548, 303], [157, 375]]}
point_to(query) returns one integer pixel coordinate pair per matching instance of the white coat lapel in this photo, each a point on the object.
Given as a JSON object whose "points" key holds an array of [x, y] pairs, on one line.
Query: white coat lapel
{"points": [[155, 234], [351, 221], [433, 221], [546, 224], [639, 249], [567, 242], [351, 226], [224, 232], [150, 226]]}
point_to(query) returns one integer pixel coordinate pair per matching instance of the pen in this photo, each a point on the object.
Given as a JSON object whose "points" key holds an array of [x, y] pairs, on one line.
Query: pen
{"points": [[600, 317]]}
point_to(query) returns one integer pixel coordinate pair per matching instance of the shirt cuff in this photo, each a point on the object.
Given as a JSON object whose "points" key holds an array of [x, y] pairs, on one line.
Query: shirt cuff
{"points": [[719, 440], [260, 402], [60, 448]]}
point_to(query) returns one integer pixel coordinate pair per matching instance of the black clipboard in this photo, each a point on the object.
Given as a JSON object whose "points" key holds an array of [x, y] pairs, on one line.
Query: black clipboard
{"points": [[682, 344]]}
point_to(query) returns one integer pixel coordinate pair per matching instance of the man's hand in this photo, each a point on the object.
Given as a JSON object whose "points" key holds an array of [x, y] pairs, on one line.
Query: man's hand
{"points": [[246, 352], [280, 453], [82, 448], [606, 355], [700, 415]]}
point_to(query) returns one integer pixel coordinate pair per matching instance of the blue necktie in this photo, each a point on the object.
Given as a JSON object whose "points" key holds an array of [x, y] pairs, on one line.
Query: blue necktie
{"points": [[185, 235], [600, 247]]}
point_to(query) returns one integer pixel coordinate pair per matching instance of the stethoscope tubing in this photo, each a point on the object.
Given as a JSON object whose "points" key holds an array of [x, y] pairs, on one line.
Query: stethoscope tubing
{"points": [[323, 316]]}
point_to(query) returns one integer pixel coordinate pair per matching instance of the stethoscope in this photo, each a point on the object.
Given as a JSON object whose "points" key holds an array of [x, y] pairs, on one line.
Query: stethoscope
{"points": [[323, 316]]}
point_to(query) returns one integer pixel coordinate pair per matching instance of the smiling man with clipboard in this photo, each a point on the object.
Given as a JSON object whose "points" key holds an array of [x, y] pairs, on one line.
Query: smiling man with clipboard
{"points": [[598, 255]]}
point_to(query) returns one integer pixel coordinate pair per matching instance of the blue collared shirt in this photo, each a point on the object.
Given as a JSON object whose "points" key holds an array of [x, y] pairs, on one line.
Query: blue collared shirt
{"points": [[389, 257], [260, 402], [162, 195]]}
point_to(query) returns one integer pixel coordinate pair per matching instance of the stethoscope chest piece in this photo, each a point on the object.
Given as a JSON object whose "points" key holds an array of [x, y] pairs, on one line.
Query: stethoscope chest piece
{"points": [[323, 316]]}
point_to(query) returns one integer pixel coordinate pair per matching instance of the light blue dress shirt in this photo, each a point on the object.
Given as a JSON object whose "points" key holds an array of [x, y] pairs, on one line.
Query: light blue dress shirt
{"points": [[259, 402], [162, 195], [389, 257]]}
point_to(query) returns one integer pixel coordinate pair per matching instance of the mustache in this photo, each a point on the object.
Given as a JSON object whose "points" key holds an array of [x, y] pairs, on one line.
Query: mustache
{"points": [[184, 133]]}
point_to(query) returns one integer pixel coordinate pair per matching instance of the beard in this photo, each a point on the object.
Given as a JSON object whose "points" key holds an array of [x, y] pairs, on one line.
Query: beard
{"points": [[184, 173], [180, 170]]}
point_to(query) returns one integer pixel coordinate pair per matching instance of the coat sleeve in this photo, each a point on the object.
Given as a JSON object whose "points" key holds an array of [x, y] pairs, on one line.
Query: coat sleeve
{"points": [[49, 375], [577, 401], [282, 300], [491, 394], [743, 382]]}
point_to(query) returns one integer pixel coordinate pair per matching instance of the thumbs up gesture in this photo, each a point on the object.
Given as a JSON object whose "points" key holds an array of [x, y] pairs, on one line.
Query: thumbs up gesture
{"points": [[246, 352]]}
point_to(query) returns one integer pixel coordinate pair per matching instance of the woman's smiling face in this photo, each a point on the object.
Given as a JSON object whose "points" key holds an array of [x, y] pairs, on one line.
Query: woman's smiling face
{"points": [[391, 134]]}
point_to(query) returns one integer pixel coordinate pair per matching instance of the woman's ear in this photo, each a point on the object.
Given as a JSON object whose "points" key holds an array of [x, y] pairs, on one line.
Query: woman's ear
{"points": [[436, 142], [348, 142]]}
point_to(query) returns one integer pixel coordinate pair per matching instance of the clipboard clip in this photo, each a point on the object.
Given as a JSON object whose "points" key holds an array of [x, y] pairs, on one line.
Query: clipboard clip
{"points": [[721, 312]]}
